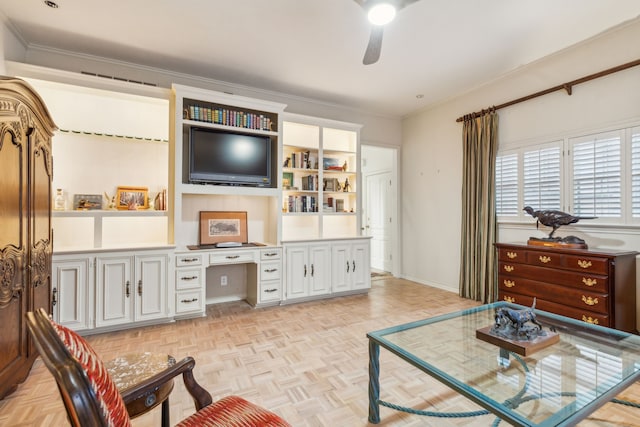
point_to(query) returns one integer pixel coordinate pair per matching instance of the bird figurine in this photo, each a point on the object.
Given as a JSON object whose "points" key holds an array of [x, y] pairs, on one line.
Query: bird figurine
{"points": [[553, 218]]}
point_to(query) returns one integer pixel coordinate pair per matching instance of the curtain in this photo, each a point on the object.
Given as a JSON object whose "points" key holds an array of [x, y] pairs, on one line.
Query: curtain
{"points": [[478, 279]]}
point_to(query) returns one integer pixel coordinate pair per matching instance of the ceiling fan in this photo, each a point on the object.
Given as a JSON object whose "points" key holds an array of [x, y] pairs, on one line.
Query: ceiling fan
{"points": [[380, 13]]}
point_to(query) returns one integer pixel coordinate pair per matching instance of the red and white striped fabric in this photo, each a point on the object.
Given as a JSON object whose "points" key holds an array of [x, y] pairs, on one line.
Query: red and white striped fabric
{"points": [[113, 407], [233, 411]]}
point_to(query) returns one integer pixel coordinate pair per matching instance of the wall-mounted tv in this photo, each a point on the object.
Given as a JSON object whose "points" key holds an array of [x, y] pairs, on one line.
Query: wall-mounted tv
{"points": [[222, 157]]}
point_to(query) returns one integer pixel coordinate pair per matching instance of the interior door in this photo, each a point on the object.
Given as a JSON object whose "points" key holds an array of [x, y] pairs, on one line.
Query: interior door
{"points": [[378, 221]]}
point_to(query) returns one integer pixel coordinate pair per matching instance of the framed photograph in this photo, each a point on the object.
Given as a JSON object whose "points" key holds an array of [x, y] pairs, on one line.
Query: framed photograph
{"points": [[87, 202], [218, 226], [132, 198]]}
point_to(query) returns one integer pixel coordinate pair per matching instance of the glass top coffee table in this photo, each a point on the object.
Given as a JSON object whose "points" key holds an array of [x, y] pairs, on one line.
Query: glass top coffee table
{"points": [[555, 386]]}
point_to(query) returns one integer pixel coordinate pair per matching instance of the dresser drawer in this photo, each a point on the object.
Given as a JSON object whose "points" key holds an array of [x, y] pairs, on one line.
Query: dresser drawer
{"points": [[270, 271], [587, 264], [270, 254], [188, 259], [189, 301], [544, 259], [585, 280], [232, 257], [188, 278], [512, 255]]}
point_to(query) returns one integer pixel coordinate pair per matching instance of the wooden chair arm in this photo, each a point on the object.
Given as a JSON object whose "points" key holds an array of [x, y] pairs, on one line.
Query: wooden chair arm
{"points": [[201, 397]]}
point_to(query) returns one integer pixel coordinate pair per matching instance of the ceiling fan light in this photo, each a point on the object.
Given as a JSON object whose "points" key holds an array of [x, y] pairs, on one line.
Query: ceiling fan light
{"points": [[381, 13]]}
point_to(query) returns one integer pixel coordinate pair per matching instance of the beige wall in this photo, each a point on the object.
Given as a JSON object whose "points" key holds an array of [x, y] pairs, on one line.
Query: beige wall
{"points": [[432, 152]]}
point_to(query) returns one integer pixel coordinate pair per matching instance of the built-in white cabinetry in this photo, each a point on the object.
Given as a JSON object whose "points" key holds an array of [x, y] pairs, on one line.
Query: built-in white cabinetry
{"points": [[308, 269], [320, 268], [190, 284], [269, 283], [350, 265], [321, 178], [71, 288], [131, 288]]}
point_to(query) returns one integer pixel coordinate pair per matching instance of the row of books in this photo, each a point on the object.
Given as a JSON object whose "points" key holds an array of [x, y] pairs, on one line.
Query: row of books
{"points": [[223, 116], [301, 160], [310, 182], [302, 204]]}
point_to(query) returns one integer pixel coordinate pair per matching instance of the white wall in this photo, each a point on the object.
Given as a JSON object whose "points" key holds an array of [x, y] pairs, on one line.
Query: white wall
{"points": [[432, 145]]}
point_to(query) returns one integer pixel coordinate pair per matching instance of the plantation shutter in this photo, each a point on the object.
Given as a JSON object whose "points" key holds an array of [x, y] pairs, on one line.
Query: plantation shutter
{"points": [[507, 185], [635, 172], [541, 180]]}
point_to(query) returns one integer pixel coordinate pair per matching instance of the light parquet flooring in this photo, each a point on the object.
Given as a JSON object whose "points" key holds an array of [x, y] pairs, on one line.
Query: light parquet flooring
{"points": [[308, 362]]}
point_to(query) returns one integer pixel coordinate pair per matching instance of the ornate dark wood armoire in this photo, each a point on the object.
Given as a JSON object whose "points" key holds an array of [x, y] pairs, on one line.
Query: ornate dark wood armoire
{"points": [[26, 240]]}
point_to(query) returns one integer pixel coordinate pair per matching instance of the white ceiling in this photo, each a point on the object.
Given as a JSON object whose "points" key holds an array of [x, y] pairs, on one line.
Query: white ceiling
{"points": [[314, 48]]}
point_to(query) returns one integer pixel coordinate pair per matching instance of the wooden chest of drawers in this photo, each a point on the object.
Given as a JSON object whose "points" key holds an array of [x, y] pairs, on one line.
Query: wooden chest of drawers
{"points": [[596, 286]]}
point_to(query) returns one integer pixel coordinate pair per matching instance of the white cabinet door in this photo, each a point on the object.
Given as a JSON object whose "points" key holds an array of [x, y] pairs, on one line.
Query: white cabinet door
{"points": [[114, 291], [360, 265], [70, 284], [151, 286], [298, 272], [319, 270], [341, 267]]}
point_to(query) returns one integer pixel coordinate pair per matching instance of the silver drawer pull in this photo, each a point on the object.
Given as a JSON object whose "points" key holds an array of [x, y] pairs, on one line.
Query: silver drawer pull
{"points": [[271, 254], [271, 270], [189, 278], [271, 290], [187, 301], [190, 259], [232, 256]]}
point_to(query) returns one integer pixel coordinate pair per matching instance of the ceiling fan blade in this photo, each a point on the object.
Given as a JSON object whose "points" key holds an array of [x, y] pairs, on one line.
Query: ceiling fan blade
{"points": [[372, 54]]}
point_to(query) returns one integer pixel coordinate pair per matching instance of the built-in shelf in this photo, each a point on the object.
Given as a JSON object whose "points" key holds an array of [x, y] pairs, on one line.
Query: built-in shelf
{"points": [[107, 213]]}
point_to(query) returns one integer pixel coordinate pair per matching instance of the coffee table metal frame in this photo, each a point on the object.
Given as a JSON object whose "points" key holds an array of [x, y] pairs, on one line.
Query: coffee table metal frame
{"points": [[571, 332]]}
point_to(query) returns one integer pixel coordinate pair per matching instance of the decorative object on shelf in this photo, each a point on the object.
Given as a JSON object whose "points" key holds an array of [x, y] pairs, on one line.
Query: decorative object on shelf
{"points": [[346, 187], [160, 201], [344, 166], [87, 202], [287, 180], [339, 205], [287, 162], [132, 198], [330, 184], [111, 201], [517, 330], [331, 164], [556, 219], [59, 202], [221, 226]]}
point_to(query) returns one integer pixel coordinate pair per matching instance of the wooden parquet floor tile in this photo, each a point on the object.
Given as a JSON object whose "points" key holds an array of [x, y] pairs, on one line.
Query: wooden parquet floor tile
{"points": [[308, 362]]}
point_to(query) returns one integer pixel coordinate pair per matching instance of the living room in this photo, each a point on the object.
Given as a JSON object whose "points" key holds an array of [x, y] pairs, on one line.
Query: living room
{"points": [[429, 139]]}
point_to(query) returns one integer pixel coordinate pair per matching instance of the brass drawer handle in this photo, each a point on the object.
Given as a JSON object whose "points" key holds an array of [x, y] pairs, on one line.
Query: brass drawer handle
{"points": [[589, 300], [508, 268], [589, 282], [509, 299], [509, 283], [590, 320], [544, 259], [512, 255], [584, 263]]}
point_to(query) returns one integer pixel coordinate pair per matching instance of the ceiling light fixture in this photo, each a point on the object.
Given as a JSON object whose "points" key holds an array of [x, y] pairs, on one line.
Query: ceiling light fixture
{"points": [[381, 13], [51, 4]]}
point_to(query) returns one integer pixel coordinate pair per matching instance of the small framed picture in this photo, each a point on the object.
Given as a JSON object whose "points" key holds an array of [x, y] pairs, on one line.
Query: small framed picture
{"points": [[220, 226], [132, 198]]}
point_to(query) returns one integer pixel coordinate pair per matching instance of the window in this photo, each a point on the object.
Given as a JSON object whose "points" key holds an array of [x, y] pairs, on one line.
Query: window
{"points": [[598, 177]]}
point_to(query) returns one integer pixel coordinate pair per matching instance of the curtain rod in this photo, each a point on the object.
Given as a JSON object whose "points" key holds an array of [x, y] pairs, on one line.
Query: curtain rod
{"points": [[565, 86]]}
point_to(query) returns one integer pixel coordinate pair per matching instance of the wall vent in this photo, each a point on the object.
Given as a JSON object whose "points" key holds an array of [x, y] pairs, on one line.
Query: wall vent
{"points": [[122, 79]]}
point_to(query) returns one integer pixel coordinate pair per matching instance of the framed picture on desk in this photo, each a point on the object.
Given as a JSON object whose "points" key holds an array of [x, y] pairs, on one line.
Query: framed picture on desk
{"points": [[219, 226]]}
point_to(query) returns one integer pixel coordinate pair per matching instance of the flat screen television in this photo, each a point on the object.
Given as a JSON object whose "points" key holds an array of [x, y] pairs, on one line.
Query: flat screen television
{"points": [[222, 157]]}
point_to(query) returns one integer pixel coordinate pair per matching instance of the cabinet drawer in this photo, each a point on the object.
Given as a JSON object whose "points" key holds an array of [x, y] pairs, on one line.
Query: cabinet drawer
{"points": [[587, 264], [544, 259], [512, 255], [270, 254], [232, 257], [188, 259], [188, 278], [270, 271], [189, 301], [585, 281], [270, 291]]}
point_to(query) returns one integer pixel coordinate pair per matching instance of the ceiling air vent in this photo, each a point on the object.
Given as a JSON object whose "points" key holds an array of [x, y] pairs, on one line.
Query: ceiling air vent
{"points": [[122, 79]]}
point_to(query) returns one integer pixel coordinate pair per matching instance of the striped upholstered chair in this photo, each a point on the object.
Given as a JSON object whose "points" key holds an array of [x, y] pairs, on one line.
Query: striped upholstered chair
{"points": [[92, 399]]}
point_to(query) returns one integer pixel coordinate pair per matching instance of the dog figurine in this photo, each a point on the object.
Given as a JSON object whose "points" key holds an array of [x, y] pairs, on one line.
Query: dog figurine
{"points": [[517, 318]]}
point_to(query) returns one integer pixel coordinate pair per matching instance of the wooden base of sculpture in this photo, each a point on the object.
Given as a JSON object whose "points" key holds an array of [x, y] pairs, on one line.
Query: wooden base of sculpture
{"points": [[555, 244], [523, 348]]}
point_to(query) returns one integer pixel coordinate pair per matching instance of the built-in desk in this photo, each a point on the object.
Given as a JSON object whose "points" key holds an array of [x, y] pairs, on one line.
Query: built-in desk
{"points": [[263, 275]]}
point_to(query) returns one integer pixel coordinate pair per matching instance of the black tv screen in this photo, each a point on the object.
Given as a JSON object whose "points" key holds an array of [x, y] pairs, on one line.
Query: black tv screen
{"points": [[222, 157]]}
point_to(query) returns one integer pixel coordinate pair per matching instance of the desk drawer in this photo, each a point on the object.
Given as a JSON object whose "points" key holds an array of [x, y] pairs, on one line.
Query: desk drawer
{"points": [[188, 278], [270, 271], [189, 301], [188, 259], [270, 291], [270, 254], [232, 257]]}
